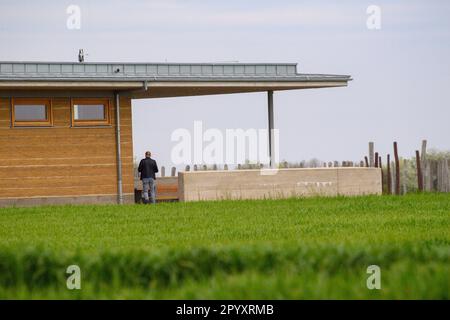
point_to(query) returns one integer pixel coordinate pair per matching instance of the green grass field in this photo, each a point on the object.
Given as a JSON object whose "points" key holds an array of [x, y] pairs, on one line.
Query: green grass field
{"points": [[315, 248]]}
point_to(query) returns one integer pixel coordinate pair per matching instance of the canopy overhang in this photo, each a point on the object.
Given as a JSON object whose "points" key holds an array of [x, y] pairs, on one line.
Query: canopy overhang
{"points": [[161, 89], [157, 80]]}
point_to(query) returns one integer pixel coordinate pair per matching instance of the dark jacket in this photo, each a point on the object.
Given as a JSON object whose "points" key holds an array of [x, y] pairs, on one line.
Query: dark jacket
{"points": [[148, 168]]}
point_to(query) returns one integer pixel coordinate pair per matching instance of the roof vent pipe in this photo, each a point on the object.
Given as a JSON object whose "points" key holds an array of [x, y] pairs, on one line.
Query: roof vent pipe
{"points": [[80, 55]]}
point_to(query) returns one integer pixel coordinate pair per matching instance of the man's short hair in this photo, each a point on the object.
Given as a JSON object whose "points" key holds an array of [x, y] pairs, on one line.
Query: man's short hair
{"points": [[148, 153]]}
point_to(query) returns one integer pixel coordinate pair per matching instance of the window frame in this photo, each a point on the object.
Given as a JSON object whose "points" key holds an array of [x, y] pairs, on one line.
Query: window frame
{"points": [[106, 102], [32, 123]]}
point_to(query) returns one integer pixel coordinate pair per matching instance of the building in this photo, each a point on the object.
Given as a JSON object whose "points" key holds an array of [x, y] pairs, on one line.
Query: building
{"points": [[66, 130]]}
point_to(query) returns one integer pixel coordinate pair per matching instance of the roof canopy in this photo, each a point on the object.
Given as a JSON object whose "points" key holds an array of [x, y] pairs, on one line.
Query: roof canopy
{"points": [[149, 80]]}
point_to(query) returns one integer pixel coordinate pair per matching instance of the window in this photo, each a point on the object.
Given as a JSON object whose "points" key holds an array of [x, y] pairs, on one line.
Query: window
{"points": [[90, 112], [31, 112]]}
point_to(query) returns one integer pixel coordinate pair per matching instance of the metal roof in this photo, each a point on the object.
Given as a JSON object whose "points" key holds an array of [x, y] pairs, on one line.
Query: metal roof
{"points": [[68, 71]]}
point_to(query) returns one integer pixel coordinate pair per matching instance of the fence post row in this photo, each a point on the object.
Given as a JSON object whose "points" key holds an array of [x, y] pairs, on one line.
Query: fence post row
{"points": [[432, 174]]}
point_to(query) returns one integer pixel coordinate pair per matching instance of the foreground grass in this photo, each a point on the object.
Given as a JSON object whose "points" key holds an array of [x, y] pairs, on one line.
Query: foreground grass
{"points": [[294, 248]]}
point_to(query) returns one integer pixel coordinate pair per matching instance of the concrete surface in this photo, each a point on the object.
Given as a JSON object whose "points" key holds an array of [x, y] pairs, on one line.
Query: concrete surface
{"points": [[282, 183]]}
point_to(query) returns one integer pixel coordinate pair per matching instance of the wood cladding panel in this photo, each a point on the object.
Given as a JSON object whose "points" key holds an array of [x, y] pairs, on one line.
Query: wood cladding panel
{"points": [[97, 189], [60, 171], [61, 160], [54, 181], [39, 141], [57, 151], [5, 114], [26, 187]]}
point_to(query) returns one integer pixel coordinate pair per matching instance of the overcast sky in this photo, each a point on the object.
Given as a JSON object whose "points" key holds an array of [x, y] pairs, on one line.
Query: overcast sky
{"points": [[400, 91]]}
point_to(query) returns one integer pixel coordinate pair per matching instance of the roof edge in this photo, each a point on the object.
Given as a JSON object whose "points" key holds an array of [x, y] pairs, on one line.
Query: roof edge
{"points": [[156, 63]]}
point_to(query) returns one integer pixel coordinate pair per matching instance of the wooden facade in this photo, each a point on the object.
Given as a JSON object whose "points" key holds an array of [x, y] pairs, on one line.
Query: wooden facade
{"points": [[63, 163]]}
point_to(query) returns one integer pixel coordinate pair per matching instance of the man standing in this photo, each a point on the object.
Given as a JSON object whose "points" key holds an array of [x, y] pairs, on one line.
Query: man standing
{"points": [[147, 169]]}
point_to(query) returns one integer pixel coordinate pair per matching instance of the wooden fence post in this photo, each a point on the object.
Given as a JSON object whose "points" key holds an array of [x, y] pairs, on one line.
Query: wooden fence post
{"points": [[173, 171], [419, 172], [447, 181], [389, 174], [393, 177], [382, 176], [367, 161], [443, 183], [371, 155], [428, 180], [439, 176], [433, 174], [405, 176], [188, 168], [225, 167], [423, 160], [195, 167], [397, 169], [163, 171], [446, 176]]}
